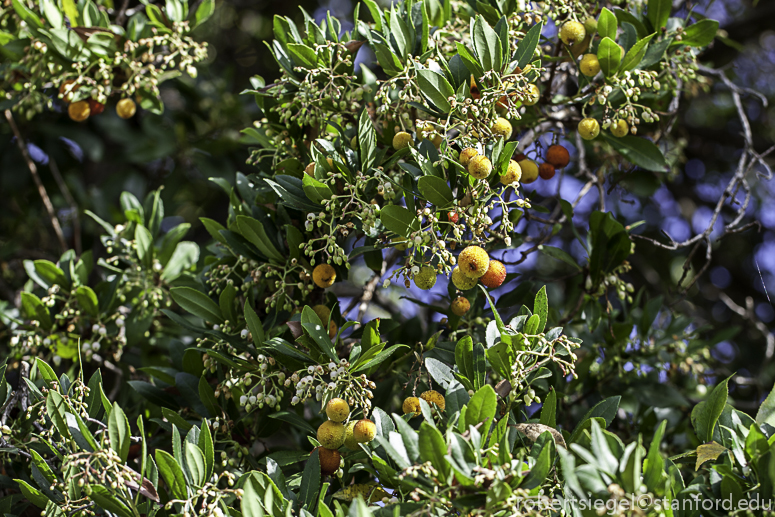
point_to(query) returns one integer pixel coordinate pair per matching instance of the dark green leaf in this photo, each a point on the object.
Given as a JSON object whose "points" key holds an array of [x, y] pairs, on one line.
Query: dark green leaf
{"points": [[197, 303], [638, 151], [436, 191], [436, 88], [658, 12]]}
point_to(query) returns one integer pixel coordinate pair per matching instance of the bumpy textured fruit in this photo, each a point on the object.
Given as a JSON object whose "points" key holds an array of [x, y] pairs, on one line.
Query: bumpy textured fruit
{"points": [[402, 140], [323, 275], [460, 306], [349, 439], [364, 431], [529, 170], [466, 155], [411, 405], [67, 91], [461, 281], [479, 167], [495, 275], [533, 94], [473, 261], [502, 127], [324, 313], [513, 173], [95, 108], [434, 397], [329, 460], [619, 128], [310, 169], [572, 32], [546, 171], [79, 111], [437, 140], [590, 25], [337, 410], [426, 278], [331, 434], [126, 108], [558, 156], [589, 65], [453, 217], [589, 128]]}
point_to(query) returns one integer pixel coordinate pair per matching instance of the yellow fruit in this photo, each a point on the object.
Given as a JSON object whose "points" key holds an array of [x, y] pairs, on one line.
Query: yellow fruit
{"points": [[495, 275], [330, 460], [426, 278], [310, 169], [402, 140], [529, 170], [466, 155], [411, 405], [589, 128], [434, 397], [79, 111], [437, 140], [619, 128], [364, 431], [479, 167], [572, 32], [337, 410], [126, 108], [513, 173], [589, 65], [461, 281], [460, 306], [473, 261], [502, 127], [349, 439], [533, 94], [323, 275], [331, 434]]}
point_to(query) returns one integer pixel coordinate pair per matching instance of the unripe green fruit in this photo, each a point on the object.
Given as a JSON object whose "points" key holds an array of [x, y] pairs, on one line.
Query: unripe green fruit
{"points": [[589, 65], [533, 94], [337, 410], [619, 128], [461, 281], [331, 434], [480, 167], [402, 140], [529, 170], [572, 32], [364, 431], [426, 278], [349, 439], [590, 25], [513, 173], [589, 128]]}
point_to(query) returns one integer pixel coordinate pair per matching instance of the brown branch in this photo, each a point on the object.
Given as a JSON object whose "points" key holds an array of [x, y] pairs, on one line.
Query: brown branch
{"points": [[41, 189]]}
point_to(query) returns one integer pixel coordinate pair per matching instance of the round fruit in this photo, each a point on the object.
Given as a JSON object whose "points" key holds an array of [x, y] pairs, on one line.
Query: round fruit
{"points": [[495, 275], [402, 140], [546, 171], [437, 140], [426, 278], [589, 128], [589, 65], [434, 397], [310, 169], [572, 32], [502, 127], [461, 281], [330, 460], [466, 155], [126, 108], [323, 275], [460, 306], [79, 111], [529, 170], [411, 405], [479, 167], [533, 94], [619, 128], [337, 410], [67, 91], [95, 108], [349, 439], [558, 156], [590, 25], [364, 431], [453, 217], [331, 434], [473, 261], [513, 173]]}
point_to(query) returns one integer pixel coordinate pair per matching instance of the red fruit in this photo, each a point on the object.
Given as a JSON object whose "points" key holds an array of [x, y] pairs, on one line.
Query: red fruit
{"points": [[519, 157], [495, 275], [96, 107], [453, 217], [558, 156], [546, 171]]}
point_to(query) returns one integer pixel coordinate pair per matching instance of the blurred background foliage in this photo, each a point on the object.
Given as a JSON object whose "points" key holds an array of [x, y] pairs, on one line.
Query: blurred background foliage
{"points": [[198, 137]]}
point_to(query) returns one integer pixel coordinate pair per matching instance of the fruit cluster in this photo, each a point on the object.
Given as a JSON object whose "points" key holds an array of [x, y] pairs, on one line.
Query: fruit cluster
{"points": [[338, 431], [411, 405], [81, 110]]}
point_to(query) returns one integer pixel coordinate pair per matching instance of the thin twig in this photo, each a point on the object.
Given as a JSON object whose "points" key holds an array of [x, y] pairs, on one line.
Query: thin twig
{"points": [[70, 201]]}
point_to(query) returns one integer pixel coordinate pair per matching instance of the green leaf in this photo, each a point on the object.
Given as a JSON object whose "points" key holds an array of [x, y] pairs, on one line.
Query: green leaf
{"points": [[105, 500], [144, 242], [184, 257], [254, 232], [33, 307], [607, 24], [433, 448], [25, 14], [56, 407], [501, 357], [609, 54], [541, 308], [436, 191], [195, 461], [709, 452], [658, 12], [172, 474], [482, 408], [706, 414], [436, 88], [71, 11], [226, 303], [560, 254], [487, 45], [87, 299], [255, 326], [635, 55], [118, 432], [549, 410], [624, 16], [542, 466], [310, 481], [653, 470], [528, 45], [639, 151], [203, 12], [303, 55], [197, 303], [766, 413], [367, 140], [316, 191], [464, 357], [32, 494], [699, 34], [470, 61], [399, 220], [50, 273], [605, 409]]}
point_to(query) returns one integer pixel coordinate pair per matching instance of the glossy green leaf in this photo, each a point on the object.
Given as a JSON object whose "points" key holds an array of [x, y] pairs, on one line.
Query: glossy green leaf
{"points": [[197, 303]]}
